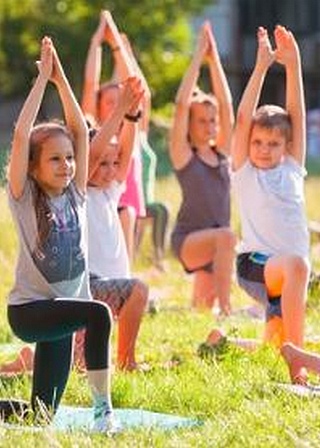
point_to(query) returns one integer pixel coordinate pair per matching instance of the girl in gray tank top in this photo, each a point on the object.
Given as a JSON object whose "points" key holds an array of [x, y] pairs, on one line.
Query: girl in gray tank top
{"points": [[202, 239]]}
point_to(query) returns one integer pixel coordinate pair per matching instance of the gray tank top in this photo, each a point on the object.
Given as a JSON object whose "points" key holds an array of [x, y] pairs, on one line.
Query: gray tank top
{"points": [[205, 195]]}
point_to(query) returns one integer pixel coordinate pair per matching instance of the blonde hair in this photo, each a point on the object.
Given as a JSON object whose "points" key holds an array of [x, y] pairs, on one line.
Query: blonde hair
{"points": [[270, 116], [201, 97]]}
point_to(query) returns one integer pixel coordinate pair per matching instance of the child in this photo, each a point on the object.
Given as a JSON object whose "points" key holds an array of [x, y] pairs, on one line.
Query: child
{"points": [[110, 280], [50, 299], [98, 101], [157, 211], [268, 156], [110, 277], [202, 239]]}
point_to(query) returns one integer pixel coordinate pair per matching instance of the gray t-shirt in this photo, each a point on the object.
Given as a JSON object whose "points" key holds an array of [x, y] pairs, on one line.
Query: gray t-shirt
{"points": [[57, 267], [205, 195]]}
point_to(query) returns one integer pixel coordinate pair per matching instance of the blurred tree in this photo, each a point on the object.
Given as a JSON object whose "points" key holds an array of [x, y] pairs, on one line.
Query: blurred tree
{"points": [[159, 31]]}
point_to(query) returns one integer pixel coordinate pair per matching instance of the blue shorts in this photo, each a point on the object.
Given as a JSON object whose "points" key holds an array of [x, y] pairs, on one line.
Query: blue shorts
{"points": [[250, 274]]}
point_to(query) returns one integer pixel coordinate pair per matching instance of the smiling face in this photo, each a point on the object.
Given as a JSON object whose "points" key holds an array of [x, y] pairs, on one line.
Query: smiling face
{"points": [[54, 167], [107, 168], [267, 146], [108, 99], [203, 123]]}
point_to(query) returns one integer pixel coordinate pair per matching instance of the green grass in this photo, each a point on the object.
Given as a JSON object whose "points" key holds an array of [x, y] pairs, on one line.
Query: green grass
{"points": [[234, 396]]}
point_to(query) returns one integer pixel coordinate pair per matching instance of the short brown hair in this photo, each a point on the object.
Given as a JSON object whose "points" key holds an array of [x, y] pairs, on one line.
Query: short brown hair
{"points": [[270, 116]]}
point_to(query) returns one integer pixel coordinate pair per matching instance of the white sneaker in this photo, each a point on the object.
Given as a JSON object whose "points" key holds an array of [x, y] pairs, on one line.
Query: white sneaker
{"points": [[106, 423]]}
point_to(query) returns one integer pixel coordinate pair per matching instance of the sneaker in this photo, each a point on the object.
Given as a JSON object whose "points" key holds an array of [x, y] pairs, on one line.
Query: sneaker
{"points": [[104, 422]]}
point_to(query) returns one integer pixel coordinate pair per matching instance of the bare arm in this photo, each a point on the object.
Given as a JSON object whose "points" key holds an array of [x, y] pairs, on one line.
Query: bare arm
{"points": [[249, 101], [287, 53], [222, 92], [89, 102], [74, 121], [130, 96], [123, 67], [19, 159], [179, 147], [146, 99]]}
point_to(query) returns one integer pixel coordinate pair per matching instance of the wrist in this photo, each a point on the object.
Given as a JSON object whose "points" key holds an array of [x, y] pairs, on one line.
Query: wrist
{"points": [[134, 118]]}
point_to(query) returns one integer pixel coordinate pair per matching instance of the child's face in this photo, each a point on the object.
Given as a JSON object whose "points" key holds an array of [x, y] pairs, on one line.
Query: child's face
{"points": [[203, 123], [107, 169], [108, 101], [267, 147], [55, 168]]}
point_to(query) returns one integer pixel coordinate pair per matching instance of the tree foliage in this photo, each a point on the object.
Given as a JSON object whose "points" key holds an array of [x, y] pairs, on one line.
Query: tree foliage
{"points": [[160, 33]]}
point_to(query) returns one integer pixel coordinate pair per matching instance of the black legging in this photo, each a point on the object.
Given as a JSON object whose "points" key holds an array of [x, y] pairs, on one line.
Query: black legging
{"points": [[51, 324]]}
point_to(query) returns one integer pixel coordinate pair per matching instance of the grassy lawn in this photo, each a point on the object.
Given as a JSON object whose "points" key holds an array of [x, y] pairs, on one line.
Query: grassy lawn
{"points": [[235, 396]]}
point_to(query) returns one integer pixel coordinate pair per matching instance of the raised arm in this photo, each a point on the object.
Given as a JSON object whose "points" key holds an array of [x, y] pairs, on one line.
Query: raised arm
{"points": [[74, 121], [19, 158], [287, 53], [123, 66], [179, 147], [127, 141], [89, 102], [221, 91], [250, 99], [146, 99], [130, 96]]}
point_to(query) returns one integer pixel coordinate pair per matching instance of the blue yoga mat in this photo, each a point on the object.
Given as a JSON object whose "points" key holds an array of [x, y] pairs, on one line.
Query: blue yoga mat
{"points": [[69, 418], [80, 418]]}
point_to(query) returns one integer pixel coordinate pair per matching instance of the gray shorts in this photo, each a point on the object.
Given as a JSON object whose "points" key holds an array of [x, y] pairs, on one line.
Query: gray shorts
{"points": [[113, 292]]}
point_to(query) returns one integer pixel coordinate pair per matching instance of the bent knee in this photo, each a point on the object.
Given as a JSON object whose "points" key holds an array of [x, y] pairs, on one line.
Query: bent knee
{"points": [[101, 316], [227, 239], [298, 267]]}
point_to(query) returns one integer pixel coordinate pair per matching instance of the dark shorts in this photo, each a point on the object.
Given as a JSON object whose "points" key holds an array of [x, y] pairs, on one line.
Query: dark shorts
{"points": [[177, 240], [114, 292], [250, 274]]}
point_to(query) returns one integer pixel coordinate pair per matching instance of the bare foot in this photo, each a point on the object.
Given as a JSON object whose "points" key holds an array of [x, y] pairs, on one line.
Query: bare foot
{"points": [[292, 356], [23, 363], [215, 337]]}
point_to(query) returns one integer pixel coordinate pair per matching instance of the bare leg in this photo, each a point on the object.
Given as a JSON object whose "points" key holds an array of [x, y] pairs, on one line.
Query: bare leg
{"points": [[139, 232], [213, 246], [274, 331], [287, 276], [23, 362], [203, 290], [129, 322]]}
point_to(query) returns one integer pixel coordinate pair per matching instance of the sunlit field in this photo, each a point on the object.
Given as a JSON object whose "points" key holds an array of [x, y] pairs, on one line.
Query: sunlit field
{"points": [[236, 395]]}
